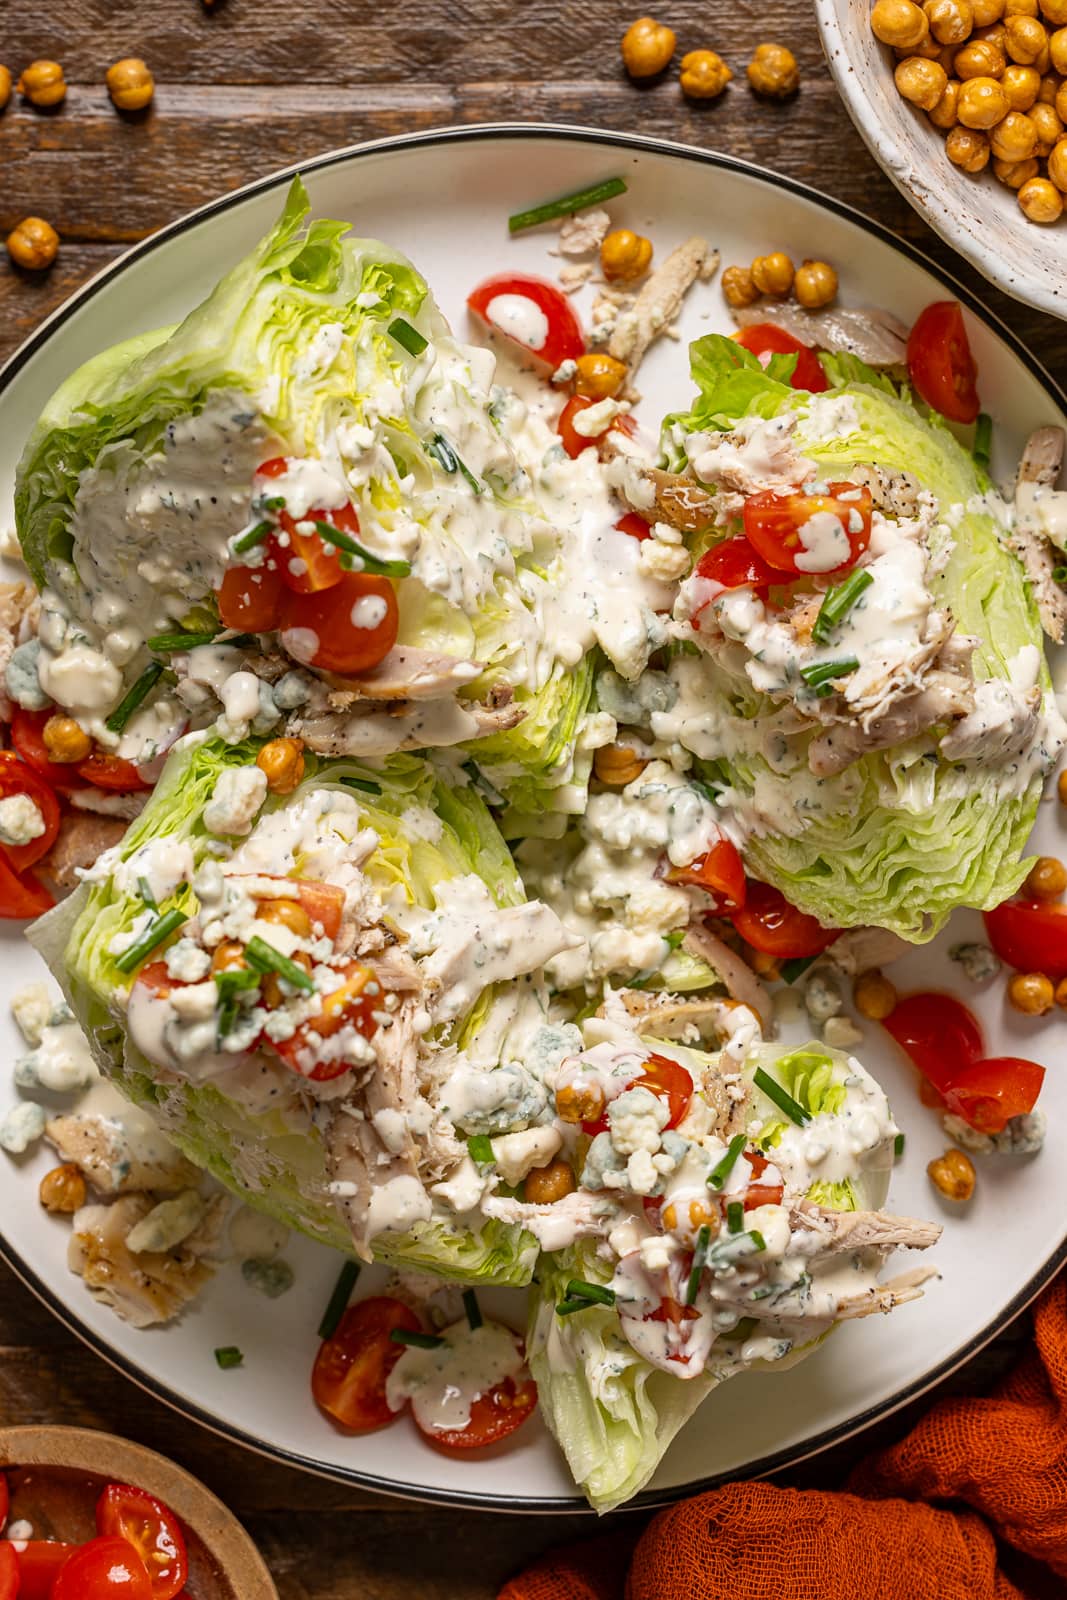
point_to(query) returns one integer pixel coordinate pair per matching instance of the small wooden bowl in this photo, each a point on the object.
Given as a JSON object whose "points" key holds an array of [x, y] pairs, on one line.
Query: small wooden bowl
{"points": [[56, 1474]]}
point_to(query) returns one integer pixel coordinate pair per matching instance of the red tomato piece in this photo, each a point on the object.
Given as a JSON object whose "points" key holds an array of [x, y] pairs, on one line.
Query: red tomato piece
{"points": [[21, 896], [27, 736], [773, 524], [940, 362], [672, 1311], [350, 1003], [276, 467], [720, 873], [634, 525], [989, 1092], [103, 1569], [5, 1499], [573, 441], [494, 1414], [763, 1194], [349, 1376], [155, 977], [152, 1529], [39, 1562], [1030, 935], [110, 772], [9, 1573], [735, 564], [250, 597], [767, 339], [347, 629], [309, 562], [770, 924], [545, 327], [323, 902], [939, 1033], [668, 1078], [18, 777]]}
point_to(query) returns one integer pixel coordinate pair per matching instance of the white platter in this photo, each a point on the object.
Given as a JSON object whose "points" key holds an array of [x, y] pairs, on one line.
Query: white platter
{"points": [[443, 198]]}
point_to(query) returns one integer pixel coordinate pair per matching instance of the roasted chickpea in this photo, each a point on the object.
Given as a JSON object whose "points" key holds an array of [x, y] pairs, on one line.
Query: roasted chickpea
{"points": [[996, 34], [1040, 200], [1032, 993], [228, 956], [979, 58], [130, 84], [5, 87], [625, 255], [580, 1102], [647, 47], [1061, 994], [1043, 60], [773, 72], [1061, 787], [63, 1189], [64, 740], [33, 244], [1015, 173], [953, 1175], [282, 760], [773, 274], [874, 996], [704, 75], [943, 115], [1047, 879], [815, 285], [738, 287], [950, 21], [929, 49], [981, 103], [42, 83], [285, 914], [1021, 85], [764, 965], [1055, 11], [1048, 126], [1026, 39], [967, 148], [1059, 105], [1014, 138], [1057, 49], [599, 375], [921, 82], [1057, 165], [545, 1185], [985, 12], [616, 765], [899, 22], [1020, 8]]}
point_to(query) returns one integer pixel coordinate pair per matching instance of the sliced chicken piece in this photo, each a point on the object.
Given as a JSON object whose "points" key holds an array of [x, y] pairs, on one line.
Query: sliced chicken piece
{"points": [[859, 950], [141, 1289], [738, 977], [862, 1230], [105, 803], [875, 336], [382, 733], [576, 1216], [1036, 500], [659, 302], [670, 1016], [81, 841], [1040, 559], [1042, 458], [406, 673], [945, 696], [115, 1162], [897, 492], [886, 1297]]}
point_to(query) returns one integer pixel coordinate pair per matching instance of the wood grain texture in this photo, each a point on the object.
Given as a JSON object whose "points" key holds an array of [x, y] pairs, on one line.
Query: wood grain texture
{"points": [[243, 88]]}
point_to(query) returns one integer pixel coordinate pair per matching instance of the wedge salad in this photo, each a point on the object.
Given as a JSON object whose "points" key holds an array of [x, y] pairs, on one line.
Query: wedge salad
{"points": [[450, 764]]}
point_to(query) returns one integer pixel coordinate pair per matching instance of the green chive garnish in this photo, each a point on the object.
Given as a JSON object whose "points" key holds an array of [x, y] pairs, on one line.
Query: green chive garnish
{"points": [[1059, 574], [161, 929], [735, 1217], [580, 200], [720, 1172], [783, 1100], [128, 705], [983, 439], [700, 1255], [567, 1308], [166, 644], [596, 1293], [274, 502], [338, 1301], [253, 536], [838, 603], [420, 1341], [480, 1150], [352, 547], [408, 337], [146, 894], [229, 985], [362, 783], [819, 674], [228, 1356], [447, 457], [472, 1308], [898, 1146], [758, 1241], [794, 968], [264, 958]]}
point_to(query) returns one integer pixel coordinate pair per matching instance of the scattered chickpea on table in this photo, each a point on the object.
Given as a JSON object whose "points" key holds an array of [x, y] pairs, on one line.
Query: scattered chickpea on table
{"points": [[42, 83], [33, 244], [130, 84], [648, 48]]}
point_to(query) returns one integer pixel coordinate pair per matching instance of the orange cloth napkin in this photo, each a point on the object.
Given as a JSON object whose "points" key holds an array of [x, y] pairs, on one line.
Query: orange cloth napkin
{"points": [[979, 1486]]}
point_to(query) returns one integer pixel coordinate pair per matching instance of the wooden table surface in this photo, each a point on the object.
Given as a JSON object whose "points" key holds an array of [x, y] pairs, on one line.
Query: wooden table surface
{"points": [[243, 88]]}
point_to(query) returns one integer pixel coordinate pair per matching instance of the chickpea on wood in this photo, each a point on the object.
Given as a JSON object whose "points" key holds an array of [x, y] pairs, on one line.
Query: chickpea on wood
{"points": [[953, 1175], [773, 72], [647, 47], [42, 83], [773, 274], [33, 244], [130, 84], [704, 75], [5, 87], [899, 23], [815, 285], [625, 255]]}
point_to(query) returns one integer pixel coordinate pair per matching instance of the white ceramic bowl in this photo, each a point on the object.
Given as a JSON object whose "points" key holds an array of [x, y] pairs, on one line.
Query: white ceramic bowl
{"points": [[977, 216]]}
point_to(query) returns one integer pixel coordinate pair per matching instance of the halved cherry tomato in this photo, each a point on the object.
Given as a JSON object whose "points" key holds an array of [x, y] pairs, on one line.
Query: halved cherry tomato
{"points": [[940, 363], [103, 1569], [323, 902], [735, 564], [347, 629], [9, 1573], [27, 736], [110, 772], [770, 924], [774, 522], [938, 1032], [156, 978], [660, 1075], [991, 1091], [349, 1376], [494, 1414], [349, 1003], [21, 896], [574, 442], [767, 339], [18, 777], [1030, 935], [672, 1311], [305, 563], [39, 1562], [250, 597], [720, 872], [634, 525], [152, 1529], [554, 332]]}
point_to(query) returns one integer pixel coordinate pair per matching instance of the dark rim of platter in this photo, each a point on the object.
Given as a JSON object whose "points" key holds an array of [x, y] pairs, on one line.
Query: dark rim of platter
{"points": [[792, 1454]]}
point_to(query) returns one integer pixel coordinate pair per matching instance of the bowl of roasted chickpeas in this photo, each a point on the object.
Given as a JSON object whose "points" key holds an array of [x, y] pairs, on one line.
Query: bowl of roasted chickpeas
{"points": [[963, 103]]}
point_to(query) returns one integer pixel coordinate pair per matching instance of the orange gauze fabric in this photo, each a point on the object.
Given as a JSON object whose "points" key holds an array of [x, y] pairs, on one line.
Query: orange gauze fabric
{"points": [[997, 1466]]}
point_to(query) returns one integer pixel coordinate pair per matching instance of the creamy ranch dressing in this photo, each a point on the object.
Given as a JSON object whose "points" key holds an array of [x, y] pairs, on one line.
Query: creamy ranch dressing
{"points": [[443, 1383]]}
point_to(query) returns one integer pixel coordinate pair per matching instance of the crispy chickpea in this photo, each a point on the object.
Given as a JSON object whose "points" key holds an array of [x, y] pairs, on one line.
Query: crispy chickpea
{"points": [[704, 75], [899, 22], [1057, 49], [1047, 879], [1057, 165], [815, 285], [1032, 993], [950, 21], [1061, 994], [1021, 85], [985, 12], [5, 87], [599, 375], [764, 965], [1014, 138], [63, 1189], [738, 287], [228, 956], [580, 1102], [979, 58], [921, 82], [42, 83], [647, 47], [545, 1185], [130, 84], [616, 765], [982, 103], [1015, 173], [1020, 8], [773, 274], [873, 995], [967, 148], [928, 48], [33, 244], [1043, 60], [1061, 787], [1047, 123], [282, 761], [953, 1175], [996, 34], [773, 72], [1060, 102], [1026, 39], [943, 115], [1040, 200], [64, 740], [625, 255], [1055, 11], [285, 914], [703, 1215]]}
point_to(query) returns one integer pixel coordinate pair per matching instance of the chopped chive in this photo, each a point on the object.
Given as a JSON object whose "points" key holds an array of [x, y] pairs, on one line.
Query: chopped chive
{"points": [[408, 337], [700, 1255], [165, 644], [161, 929], [229, 985], [898, 1146], [146, 894], [129, 703], [782, 1099], [228, 1356], [338, 1301], [253, 536], [838, 603], [722, 1170], [443, 453], [242, 641], [735, 1217], [362, 783], [595, 1293], [352, 547], [819, 674], [1059, 574], [264, 958], [983, 439], [480, 1150], [567, 204], [472, 1308], [795, 967], [567, 1308], [274, 502], [758, 1241], [420, 1341]]}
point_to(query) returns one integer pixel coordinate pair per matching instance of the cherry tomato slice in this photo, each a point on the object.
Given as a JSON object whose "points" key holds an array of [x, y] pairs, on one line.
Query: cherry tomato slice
{"points": [[770, 924], [940, 363], [767, 339], [157, 979], [152, 1529], [21, 896], [668, 1078], [533, 314], [634, 525], [250, 597], [988, 1093], [938, 1032], [571, 440], [349, 1376], [762, 1194], [720, 873], [774, 524], [27, 736], [672, 1311], [347, 629], [18, 777], [309, 562], [349, 1003], [9, 1573], [103, 1569], [110, 772], [323, 902], [1030, 935], [494, 1414], [38, 1563], [735, 564]]}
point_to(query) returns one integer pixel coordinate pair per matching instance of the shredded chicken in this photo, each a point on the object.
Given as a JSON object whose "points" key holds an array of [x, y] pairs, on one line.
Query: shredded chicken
{"points": [[406, 673], [105, 803], [738, 977], [116, 1163], [875, 336], [381, 733], [79, 843], [658, 303], [1039, 468], [859, 950], [896, 492], [1042, 458], [860, 1230], [943, 696], [887, 1296], [150, 1287], [669, 1016]]}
